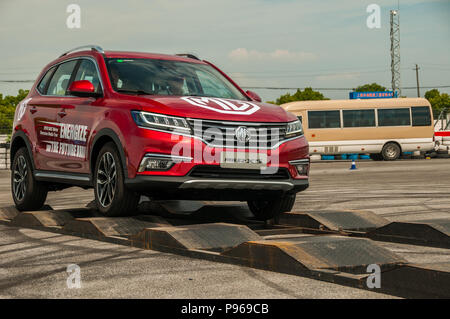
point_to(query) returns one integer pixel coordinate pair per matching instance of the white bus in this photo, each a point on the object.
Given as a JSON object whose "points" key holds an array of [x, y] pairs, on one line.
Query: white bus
{"points": [[383, 128]]}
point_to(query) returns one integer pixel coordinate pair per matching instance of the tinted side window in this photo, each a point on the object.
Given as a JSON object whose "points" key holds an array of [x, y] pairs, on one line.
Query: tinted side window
{"points": [[394, 117], [421, 116], [324, 119], [88, 71], [359, 118], [43, 84], [60, 80]]}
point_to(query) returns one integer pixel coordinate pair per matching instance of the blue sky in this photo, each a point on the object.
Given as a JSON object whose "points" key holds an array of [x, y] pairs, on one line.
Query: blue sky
{"points": [[324, 44]]}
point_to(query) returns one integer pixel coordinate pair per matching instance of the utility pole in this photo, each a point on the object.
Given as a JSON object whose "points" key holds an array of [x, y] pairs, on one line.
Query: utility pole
{"points": [[395, 52], [417, 79]]}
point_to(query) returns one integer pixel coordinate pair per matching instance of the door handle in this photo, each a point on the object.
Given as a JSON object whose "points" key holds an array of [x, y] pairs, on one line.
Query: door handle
{"points": [[33, 109], [62, 113]]}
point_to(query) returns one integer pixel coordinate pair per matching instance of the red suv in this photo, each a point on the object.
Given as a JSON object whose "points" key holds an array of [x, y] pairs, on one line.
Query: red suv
{"points": [[165, 126]]}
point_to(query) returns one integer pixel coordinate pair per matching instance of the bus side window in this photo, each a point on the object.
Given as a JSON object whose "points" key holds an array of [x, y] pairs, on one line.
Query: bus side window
{"points": [[359, 118], [421, 116], [394, 117], [324, 119]]}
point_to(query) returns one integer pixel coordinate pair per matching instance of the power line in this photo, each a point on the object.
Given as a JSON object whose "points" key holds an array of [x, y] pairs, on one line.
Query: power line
{"points": [[309, 75], [335, 89], [17, 81]]}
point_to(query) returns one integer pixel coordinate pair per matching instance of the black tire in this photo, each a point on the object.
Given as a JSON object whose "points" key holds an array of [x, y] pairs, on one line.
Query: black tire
{"points": [[111, 196], [27, 193], [268, 209], [391, 151], [376, 157]]}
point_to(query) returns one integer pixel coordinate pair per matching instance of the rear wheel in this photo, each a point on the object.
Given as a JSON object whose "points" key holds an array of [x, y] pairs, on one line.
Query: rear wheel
{"points": [[111, 196], [268, 209], [391, 152], [27, 193]]}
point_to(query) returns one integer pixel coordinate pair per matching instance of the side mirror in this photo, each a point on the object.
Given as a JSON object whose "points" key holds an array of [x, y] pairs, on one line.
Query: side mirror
{"points": [[254, 96], [83, 88]]}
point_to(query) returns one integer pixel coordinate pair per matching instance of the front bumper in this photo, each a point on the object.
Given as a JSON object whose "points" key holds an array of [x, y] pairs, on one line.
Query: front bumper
{"points": [[188, 187], [158, 183], [203, 178]]}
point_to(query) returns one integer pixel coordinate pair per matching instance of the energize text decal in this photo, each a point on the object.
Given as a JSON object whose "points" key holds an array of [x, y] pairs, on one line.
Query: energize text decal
{"points": [[75, 134], [223, 105]]}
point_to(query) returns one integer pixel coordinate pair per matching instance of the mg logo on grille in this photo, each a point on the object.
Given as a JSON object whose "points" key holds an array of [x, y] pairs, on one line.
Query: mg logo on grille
{"points": [[242, 134], [223, 105]]}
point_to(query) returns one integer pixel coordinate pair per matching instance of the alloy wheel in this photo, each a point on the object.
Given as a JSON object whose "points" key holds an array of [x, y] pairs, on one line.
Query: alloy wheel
{"points": [[106, 179], [20, 178]]}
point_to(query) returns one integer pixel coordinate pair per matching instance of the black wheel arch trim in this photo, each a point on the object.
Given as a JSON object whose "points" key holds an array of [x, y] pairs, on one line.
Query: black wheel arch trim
{"points": [[113, 135], [24, 137]]}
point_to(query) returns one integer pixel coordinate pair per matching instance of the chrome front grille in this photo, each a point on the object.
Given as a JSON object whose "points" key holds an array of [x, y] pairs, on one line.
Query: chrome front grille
{"points": [[223, 133]]}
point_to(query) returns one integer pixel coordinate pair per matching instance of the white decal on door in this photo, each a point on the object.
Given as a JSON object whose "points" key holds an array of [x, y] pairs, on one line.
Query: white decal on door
{"points": [[75, 134], [223, 105]]}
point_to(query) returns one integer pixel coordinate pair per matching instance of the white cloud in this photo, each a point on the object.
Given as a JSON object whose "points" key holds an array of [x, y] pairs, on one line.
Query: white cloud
{"points": [[242, 54]]}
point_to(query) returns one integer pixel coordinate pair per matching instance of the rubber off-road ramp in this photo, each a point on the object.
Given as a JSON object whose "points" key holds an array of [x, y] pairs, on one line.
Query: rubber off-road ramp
{"points": [[418, 280], [334, 220], [42, 219], [339, 253], [112, 226], [432, 232], [212, 237], [8, 213]]}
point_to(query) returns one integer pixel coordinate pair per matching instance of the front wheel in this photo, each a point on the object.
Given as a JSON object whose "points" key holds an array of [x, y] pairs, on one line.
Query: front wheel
{"points": [[111, 196], [268, 209], [27, 193]]}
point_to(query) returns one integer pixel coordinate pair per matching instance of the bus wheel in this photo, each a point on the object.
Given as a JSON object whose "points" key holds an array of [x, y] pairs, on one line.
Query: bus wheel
{"points": [[391, 152]]}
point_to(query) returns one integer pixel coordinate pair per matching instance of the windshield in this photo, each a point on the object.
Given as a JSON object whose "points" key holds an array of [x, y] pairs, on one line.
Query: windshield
{"points": [[173, 78]]}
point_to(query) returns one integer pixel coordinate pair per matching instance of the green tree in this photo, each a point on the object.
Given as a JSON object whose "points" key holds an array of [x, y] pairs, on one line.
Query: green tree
{"points": [[439, 101], [374, 87], [7, 108], [307, 94]]}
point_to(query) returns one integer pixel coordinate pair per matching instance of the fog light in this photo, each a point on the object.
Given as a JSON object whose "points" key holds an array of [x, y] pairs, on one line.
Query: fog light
{"points": [[301, 165], [302, 169], [154, 164], [160, 162]]}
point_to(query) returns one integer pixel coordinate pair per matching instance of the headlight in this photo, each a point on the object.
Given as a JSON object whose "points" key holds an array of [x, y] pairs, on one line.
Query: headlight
{"points": [[161, 122], [294, 129]]}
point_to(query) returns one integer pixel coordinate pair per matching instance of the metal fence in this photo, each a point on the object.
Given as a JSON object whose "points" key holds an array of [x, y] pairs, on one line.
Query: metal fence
{"points": [[6, 122], [4, 156]]}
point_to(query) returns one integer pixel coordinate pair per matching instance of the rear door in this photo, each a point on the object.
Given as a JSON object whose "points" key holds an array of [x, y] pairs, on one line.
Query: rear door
{"points": [[76, 118], [43, 112]]}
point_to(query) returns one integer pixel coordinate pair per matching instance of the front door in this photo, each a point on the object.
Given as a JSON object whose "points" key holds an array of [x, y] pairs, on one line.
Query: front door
{"points": [[76, 118], [44, 112]]}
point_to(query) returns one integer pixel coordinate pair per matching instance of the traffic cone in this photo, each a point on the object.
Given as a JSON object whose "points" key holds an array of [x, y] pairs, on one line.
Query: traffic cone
{"points": [[353, 165]]}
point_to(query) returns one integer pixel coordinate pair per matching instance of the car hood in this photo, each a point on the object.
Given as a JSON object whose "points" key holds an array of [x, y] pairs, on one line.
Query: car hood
{"points": [[215, 109]]}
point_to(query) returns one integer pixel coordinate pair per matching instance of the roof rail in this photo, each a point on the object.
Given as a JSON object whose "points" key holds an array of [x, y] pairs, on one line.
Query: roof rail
{"points": [[90, 46], [188, 55]]}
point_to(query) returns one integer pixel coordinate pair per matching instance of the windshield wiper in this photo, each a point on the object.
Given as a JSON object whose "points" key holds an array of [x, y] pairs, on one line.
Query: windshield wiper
{"points": [[138, 92]]}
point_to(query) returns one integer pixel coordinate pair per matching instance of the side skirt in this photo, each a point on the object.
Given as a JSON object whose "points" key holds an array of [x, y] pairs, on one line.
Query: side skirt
{"points": [[74, 179]]}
